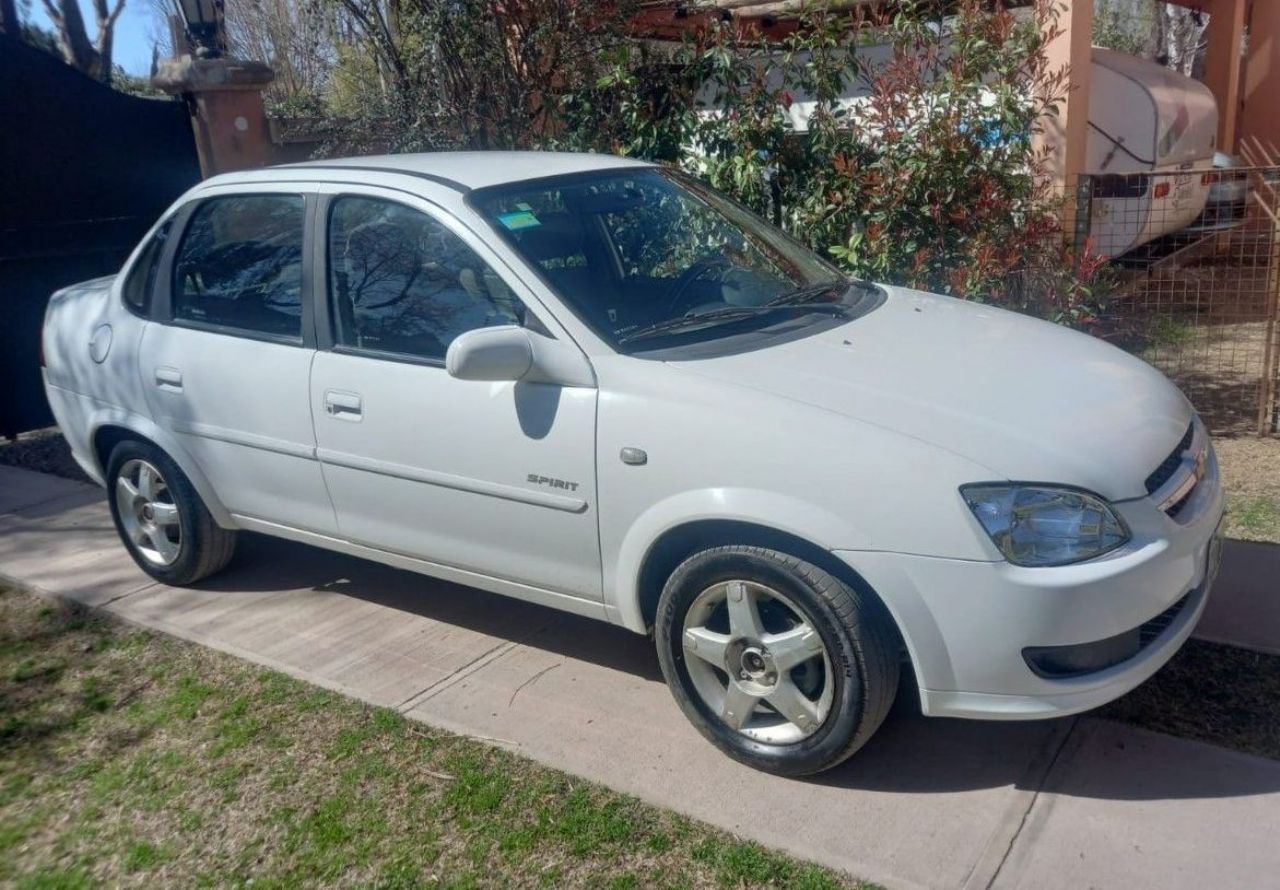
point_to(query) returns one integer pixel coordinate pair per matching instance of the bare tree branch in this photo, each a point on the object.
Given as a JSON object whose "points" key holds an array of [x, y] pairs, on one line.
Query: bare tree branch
{"points": [[92, 58]]}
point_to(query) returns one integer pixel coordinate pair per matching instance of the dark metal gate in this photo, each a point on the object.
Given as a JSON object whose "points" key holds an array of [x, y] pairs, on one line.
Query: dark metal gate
{"points": [[84, 171]]}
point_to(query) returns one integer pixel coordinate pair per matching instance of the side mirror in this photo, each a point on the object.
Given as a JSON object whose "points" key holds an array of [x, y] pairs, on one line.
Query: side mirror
{"points": [[511, 352], [500, 353]]}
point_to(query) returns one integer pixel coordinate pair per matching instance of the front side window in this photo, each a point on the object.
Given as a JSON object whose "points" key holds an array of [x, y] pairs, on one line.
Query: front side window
{"points": [[239, 265], [140, 284], [645, 255], [400, 282]]}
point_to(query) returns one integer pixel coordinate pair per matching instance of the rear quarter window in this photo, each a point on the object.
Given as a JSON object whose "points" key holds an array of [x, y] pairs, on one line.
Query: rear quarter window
{"points": [[140, 285]]}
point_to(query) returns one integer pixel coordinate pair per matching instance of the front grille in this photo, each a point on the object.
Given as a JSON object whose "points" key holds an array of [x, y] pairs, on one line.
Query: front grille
{"points": [[1163, 473], [1064, 662]]}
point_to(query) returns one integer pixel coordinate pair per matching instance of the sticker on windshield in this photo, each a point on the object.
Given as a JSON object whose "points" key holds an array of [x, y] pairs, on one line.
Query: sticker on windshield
{"points": [[518, 219]]}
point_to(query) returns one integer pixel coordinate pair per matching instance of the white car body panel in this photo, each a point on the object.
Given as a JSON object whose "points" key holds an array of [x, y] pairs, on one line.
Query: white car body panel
{"points": [[437, 468], [240, 408], [854, 441]]}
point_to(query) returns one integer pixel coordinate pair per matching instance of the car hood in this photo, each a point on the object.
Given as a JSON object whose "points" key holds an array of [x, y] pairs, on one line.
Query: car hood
{"points": [[1029, 400]]}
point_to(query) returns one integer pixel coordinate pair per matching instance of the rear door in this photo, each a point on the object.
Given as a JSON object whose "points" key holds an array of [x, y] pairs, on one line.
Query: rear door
{"points": [[226, 365], [493, 478]]}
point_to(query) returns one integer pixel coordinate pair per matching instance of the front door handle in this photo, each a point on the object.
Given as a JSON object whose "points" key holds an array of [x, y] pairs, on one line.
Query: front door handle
{"points": [[169, 379], [343, 405]]}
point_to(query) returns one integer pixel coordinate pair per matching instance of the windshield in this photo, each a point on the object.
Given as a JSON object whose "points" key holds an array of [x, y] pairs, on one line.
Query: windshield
{"points": [[645, 254]]}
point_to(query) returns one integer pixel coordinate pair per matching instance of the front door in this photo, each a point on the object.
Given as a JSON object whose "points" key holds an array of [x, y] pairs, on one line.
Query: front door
{"points": [[492, 478], [227, 366]]}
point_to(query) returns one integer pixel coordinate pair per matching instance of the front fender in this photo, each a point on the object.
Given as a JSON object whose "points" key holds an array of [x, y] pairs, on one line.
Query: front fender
{"points": [[777, 511]]}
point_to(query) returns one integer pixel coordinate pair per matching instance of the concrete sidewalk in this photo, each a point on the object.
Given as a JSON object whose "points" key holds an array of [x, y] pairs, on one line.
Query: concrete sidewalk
{"points": [[928, 803]]}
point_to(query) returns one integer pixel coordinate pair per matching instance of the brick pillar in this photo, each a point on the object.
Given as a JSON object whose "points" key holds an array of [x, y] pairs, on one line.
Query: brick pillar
{"points": [[225, 97]]}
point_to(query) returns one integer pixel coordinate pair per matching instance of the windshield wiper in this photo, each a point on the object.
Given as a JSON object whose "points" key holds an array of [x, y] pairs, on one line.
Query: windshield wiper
{"points": [[723, 316], [805, 296]]}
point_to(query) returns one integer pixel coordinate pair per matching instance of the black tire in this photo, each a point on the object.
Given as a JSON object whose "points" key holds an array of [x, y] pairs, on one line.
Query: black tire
{"points": [[853, 626], [204, 547]]}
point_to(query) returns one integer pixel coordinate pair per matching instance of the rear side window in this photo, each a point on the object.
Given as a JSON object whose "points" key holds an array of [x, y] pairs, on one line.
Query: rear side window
{"points": [[239, 265], [141, 283]]}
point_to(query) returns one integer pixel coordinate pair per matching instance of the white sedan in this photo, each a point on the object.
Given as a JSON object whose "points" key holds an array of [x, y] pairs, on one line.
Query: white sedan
{"points": [[597, 385]]}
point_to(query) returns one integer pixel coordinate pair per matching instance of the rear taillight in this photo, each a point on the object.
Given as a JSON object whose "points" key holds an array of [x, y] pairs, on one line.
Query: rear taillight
{"points": [[1161, 189]]}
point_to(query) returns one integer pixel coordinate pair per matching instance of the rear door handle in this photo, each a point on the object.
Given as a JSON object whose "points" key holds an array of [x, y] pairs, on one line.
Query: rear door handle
{"points": [[343, 405], [169, 379]]}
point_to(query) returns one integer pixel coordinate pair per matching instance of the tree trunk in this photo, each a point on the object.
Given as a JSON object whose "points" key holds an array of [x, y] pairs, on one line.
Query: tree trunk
{"points": [[93, 59], [1156, 38]]}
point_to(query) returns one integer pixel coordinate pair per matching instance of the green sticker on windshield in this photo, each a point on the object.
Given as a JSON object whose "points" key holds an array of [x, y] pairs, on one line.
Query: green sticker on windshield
{"points": [[518, 219]]}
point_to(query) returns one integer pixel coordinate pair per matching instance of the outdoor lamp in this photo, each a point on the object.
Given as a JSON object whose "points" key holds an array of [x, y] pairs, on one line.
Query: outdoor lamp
{"points": [[203, 19]]}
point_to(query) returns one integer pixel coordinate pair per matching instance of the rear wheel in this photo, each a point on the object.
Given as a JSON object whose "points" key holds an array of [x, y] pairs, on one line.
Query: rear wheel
{"points": [[161, 519], [780, 664]]}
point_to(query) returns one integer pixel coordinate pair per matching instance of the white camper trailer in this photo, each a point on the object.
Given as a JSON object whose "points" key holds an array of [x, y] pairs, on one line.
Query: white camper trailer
{"points": [[1151, 142], [1152, 135]]}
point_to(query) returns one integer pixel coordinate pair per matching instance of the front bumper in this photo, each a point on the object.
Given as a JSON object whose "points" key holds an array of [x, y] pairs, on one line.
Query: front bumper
{"points": [[966, 624]]}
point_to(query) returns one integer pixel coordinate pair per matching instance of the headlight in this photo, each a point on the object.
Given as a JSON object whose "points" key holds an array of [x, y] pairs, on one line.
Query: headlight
{"points": [[1038, 525]]}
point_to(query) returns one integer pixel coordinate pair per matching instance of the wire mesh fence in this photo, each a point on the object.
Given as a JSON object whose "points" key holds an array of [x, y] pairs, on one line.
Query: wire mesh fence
{"points": [[1193, 281]]}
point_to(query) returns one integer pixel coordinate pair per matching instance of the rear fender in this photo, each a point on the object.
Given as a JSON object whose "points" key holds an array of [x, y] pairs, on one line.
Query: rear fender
{"points": [[168, 443]]}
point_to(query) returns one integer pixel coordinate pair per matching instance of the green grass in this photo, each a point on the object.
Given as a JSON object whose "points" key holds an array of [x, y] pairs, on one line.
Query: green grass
{"points": [[1167, 333], [1253, 518], [128, 758], [1251, 479]]}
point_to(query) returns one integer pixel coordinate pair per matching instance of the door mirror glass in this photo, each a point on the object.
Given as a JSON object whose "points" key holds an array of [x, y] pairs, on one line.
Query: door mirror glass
{"points": [[498, 353]]}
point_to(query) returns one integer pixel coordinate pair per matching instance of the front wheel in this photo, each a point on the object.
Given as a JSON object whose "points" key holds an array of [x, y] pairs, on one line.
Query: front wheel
{"points": [[777, 662]]}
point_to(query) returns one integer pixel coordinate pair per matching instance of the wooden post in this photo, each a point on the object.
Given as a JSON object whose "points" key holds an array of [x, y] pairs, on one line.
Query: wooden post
{"points": [[1268, 197], [1063, 136], [1260, 82], [1222, 65]]}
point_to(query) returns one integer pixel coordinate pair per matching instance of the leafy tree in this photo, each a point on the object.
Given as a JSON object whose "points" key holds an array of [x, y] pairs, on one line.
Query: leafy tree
{"points": [[1125, 25]]}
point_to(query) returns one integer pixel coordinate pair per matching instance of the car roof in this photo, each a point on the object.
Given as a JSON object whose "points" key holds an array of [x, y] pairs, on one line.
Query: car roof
{"points": [[467, 170]]}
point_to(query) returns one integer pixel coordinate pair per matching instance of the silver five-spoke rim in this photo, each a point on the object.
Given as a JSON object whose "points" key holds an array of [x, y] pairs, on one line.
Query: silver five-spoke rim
{"points": [[757, 662], [148, 513]]}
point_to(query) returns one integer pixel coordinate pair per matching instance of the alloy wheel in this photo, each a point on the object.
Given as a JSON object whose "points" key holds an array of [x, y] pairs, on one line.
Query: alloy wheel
{"points": [[757, 662], [148, 513]]}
